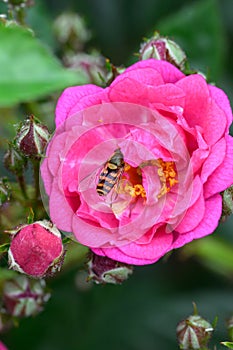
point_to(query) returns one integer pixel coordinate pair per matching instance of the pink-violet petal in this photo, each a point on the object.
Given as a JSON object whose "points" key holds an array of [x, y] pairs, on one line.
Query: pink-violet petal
{"points": [[222, 177], [116, 254], [200, 109], [168, 71], [60, 211], [215, 158], [144, 75], [129, 90], [140, 254], [193, 216], [222, 101], [157, 247], [213, 210], [70, 97]]}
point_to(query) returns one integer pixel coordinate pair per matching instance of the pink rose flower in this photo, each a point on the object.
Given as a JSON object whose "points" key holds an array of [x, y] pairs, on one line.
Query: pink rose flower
{"points": [[173, 132]]}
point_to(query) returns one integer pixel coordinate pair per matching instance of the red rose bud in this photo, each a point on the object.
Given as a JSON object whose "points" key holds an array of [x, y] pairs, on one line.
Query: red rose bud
{"points": [[36, 249], [32, 138], [104, 270], [5, 191], [23, 297], [227, 202], [161, 48], [194, 333], [14, 161]]}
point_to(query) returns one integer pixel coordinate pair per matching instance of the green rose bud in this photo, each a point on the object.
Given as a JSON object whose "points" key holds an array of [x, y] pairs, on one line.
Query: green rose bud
{"points": [[162, 48], [104, 270], [32, 138], [193, 333], [23, 297]]}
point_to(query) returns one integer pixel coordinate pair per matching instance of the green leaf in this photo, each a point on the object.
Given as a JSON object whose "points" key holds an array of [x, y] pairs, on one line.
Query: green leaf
{"points": [[198, 30], [214, 252], [6, 274], [27, 69], [227, 344], [4, 247]]}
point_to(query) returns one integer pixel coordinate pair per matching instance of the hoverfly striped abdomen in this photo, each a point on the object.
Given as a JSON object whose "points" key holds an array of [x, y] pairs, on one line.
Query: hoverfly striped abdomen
{"points": [[111, 173]]}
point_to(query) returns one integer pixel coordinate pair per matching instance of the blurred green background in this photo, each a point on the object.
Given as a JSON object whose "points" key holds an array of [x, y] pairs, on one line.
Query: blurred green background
{"points": [[143, 312]]}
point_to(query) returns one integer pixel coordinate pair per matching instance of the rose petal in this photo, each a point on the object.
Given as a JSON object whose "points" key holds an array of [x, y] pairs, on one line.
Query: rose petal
{"points": [[200, 109], [141, 254], [222, 101], [222, 177], [213, 210], [168, 72], [143, 75], [116, 254], [60, 211], [193, 216], [215, 158], [71, 97], [130, 90]]}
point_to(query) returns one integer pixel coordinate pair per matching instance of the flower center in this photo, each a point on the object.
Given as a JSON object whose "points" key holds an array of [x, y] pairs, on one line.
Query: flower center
{"points": [[131, 181], [167, 175]]}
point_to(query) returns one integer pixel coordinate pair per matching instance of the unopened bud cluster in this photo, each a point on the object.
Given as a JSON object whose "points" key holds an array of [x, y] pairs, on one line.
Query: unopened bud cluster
{"points": [[104, 270], [162, 48], [36, 249], [29, 142], [23, 297]]}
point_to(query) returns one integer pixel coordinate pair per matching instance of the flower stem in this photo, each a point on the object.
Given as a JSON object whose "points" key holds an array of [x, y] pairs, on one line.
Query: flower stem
{"points": [[22, 185], [36, 170], [21, 16]]}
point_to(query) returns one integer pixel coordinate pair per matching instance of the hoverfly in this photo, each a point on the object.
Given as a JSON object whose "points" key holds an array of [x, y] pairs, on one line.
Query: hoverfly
{"points": [[111, 173]]}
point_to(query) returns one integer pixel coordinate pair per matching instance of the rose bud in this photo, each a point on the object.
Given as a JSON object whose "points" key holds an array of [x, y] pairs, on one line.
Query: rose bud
{"points": [[19, 3], [5, 191], [14, 161], [161, 48], [23, 297], [104, 270], [32, 138], [194, 333], [36, 249], [71, 32], [227, 202], [92, 66]]}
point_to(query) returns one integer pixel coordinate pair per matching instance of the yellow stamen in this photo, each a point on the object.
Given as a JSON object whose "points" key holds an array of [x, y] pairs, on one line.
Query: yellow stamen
{"points": [[167, 174], [131, 182]]}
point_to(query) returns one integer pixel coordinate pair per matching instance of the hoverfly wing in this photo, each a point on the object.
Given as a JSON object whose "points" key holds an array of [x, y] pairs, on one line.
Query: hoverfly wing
{"points": [[119, 199], [89, 181]]}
